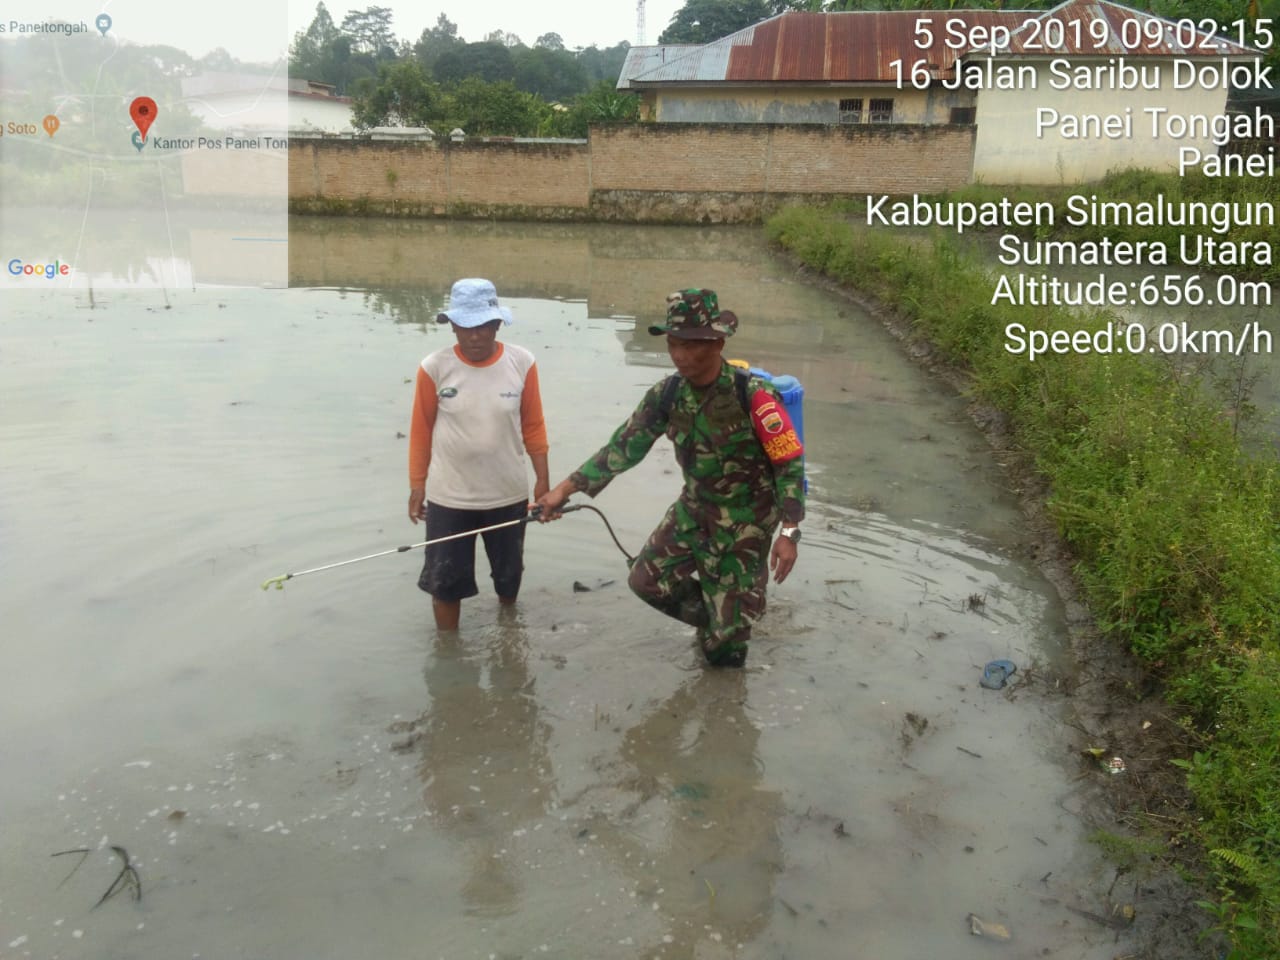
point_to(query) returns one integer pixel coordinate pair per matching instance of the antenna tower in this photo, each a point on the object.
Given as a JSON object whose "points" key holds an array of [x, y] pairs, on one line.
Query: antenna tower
{"points": [[639, 23]]}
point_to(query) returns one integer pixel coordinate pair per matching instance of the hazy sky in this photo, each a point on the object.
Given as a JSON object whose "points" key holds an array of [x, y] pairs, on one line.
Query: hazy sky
{"points": [[261, 30], [579, 22]]}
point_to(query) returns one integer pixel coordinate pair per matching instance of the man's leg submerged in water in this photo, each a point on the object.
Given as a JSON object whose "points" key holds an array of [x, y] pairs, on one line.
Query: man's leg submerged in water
{"points": [[726, 596], [734, 574]]}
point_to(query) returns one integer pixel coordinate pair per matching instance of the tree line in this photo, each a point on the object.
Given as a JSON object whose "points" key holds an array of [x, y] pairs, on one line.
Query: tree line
{"points": [[501, 86], [497, 85]]}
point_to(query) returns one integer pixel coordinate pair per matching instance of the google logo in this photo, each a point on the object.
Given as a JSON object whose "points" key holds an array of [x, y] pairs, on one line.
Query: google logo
{"points": [[47, 270]]}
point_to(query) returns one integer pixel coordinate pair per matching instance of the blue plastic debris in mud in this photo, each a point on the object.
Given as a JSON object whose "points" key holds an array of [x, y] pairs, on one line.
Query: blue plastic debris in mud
{"points": [[996, 673]]}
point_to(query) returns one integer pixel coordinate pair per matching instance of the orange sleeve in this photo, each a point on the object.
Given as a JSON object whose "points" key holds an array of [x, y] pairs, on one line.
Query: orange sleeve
{"points": [[532, 424], [424, 421]]}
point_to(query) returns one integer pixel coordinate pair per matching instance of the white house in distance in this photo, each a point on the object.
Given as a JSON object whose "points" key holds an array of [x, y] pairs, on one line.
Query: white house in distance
{"points": [[251, 103], [1046, 104], [316, 106]]}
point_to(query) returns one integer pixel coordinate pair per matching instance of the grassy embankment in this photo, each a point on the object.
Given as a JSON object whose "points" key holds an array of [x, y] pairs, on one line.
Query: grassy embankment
{"points": [[1175, 525]]}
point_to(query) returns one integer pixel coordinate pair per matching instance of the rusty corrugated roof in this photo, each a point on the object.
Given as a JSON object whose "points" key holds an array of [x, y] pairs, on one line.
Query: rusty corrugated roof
{"points": [[859, 46], [704, 62], [642, 59]]}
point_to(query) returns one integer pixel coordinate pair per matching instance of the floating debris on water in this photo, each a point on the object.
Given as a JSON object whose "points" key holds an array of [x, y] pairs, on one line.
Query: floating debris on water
{"points": [[986, 928], [126, 878], [580, 587], [692, 791]]}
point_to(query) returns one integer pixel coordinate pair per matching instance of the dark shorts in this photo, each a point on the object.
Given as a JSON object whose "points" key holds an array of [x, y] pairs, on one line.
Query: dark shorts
{"points": [[449, 571]]}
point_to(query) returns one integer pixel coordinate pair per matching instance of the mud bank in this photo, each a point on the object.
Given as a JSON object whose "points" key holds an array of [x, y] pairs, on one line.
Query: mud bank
{"points": [[1113, 704]]}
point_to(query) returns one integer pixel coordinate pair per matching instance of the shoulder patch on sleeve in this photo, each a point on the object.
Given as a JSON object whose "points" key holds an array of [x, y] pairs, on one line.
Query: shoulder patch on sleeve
{"points": [[774, 428]]}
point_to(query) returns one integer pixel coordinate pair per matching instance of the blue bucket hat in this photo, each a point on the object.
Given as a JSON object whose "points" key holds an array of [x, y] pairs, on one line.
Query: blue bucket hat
{"points": [[473, 303]]}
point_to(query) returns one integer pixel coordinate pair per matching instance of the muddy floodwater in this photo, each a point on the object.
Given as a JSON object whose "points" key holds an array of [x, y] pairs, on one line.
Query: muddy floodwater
{"points": [[313, 773]]}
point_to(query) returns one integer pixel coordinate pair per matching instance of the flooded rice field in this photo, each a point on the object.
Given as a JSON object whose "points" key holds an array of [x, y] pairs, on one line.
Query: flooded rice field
{"points": [[314, 773]]}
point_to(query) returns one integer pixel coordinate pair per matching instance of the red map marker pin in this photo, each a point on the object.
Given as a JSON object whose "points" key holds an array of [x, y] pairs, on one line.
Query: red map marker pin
{"points": [[143, 111]]}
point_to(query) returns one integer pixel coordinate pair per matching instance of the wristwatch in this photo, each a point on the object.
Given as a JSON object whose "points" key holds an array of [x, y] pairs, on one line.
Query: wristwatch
{"points": [[791, 533]]}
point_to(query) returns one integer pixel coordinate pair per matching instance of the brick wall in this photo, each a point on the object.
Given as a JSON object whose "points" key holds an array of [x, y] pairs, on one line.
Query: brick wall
{"points": [[233, 173], [784, 159], [647, 172], [434, 176]]}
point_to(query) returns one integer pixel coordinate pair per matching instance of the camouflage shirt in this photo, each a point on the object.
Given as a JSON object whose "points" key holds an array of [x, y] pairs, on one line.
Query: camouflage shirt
{"points": [[727, 476]]}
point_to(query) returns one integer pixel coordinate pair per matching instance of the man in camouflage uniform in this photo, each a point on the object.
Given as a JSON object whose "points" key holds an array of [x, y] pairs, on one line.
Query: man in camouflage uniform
{"points": [[743, 473]]}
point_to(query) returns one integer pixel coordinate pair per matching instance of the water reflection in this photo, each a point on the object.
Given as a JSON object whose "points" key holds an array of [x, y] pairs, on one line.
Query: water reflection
{"points": [[616, 271], [878, 436], [176, 249], [691, 774], [699, 835], [484, 765], [407, 304]]}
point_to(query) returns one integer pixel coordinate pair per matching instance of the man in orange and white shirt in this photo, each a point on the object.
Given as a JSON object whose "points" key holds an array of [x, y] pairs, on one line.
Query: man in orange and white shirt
{"points": [[477, 411]]}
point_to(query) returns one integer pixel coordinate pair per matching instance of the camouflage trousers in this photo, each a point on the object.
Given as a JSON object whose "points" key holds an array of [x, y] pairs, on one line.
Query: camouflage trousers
{"points": [[710, 574]]}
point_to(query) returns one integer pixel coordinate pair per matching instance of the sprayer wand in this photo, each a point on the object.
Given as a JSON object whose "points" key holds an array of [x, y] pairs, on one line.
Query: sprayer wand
{"points": [[532, 515]]}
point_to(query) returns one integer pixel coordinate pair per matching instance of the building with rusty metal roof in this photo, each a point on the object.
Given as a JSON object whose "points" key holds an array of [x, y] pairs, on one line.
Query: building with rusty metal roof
{"points": [[1057, 96]]}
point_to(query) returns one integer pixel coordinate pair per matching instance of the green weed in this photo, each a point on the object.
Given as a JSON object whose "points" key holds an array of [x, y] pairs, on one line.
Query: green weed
{"points": [[1176, 522]]}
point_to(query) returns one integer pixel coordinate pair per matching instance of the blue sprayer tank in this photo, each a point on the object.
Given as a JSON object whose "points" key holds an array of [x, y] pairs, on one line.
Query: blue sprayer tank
{"points": [[792, 393]]}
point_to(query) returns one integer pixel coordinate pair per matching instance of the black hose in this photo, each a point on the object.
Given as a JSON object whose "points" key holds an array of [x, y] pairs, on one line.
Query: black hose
{"points": [[608, 526]]}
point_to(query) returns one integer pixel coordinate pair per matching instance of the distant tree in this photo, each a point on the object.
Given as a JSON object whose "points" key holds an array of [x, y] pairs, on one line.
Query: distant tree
{"points": [[219, 59], [601, 104], [497, 109], [504, 38], [1225, 13], [328, 54], [550, 41], [490, 61], [172, 62], [311, 54], [370, 31], [402, 95], [701, 21], [436, 41], [551, 74], [605, 104], [603, 64], [834, 6]]}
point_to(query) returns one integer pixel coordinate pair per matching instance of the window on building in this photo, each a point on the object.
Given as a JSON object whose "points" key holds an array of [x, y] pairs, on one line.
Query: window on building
{"points": [[964, 114], [851, 110], [882, 110]]}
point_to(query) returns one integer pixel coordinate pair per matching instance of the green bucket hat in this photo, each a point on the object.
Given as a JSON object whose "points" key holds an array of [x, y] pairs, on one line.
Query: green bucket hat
{"points": [[696, 315]]}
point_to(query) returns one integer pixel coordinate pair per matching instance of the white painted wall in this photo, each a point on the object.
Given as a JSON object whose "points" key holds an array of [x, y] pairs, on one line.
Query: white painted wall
{"points": [[264, 110], [811, 103], [1007, 149], [331, 116], [270, 104]]}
